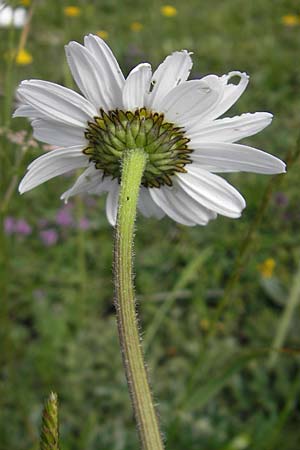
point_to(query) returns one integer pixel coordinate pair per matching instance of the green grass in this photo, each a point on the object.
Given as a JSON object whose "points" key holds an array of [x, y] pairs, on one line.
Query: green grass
{"points": [[210, 372]]}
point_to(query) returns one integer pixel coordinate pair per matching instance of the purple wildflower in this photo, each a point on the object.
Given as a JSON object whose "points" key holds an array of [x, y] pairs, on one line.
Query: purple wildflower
{"points": [[49, 237], [9, 225], [64, 217], [22, 227]]}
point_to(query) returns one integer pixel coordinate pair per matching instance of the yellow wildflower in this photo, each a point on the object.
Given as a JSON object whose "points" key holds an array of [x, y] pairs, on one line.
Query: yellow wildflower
{"points": [[72, 11], [23, 57], [102, 34], [290, 20], [168, 11], [267, 268], [136, 26], [25, 2]]}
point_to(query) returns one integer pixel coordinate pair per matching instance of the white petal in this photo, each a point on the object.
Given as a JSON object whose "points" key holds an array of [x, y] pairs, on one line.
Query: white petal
{"points": [[57, 133], [193, 209], [91, 181], [90, 76], [192, 100], [109, 68], [136, 85], [232, 93], [112, 203], [147, 206], [56, 102], [167, 201], [28, 111], [105, 186], [212, 192], [189, 211], [230, 129], [170, 73], [54, 163], [220, 156]]}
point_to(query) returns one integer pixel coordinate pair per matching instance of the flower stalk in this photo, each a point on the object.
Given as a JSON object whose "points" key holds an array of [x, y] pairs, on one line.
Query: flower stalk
{"points": [[133, 165]]}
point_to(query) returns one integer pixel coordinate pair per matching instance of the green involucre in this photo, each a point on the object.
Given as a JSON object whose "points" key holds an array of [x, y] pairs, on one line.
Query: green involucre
{"points": [[116, 131]]}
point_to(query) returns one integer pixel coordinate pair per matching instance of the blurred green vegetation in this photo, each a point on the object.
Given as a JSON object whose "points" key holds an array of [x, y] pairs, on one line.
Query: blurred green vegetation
{"points": [[209, 365]]}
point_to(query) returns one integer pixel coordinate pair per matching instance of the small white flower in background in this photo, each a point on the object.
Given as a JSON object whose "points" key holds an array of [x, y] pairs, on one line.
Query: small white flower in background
{"points": [[174, 120], [19, 17], [8, 16]]}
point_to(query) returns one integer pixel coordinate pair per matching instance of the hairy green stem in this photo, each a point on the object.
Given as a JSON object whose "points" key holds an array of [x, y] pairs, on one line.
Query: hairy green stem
{"points": [[133, 166]]}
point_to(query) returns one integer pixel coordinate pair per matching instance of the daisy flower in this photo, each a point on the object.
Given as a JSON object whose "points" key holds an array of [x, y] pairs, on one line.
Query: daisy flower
{"points": [[177, 123]]}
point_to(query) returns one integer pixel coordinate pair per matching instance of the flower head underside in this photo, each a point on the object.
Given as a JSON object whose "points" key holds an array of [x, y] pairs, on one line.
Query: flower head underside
{"points": [[115, 132], [176, 121]]}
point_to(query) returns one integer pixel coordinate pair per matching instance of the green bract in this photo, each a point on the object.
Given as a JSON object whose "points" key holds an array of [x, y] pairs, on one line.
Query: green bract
{"points": [[116, 131]]}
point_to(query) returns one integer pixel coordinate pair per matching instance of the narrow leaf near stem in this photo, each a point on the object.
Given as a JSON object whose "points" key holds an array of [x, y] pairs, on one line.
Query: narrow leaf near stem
{"points": [[133, 166]]}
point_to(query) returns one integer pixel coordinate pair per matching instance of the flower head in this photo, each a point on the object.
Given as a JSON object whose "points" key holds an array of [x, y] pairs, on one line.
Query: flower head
{"points": [[102, 34], [64, 217], [9, 225], [290, 20], [22, 227], [168, 11], [267, 268], [72, 11], [49, 237], [23, 58], [175, 121], [136, 26]]}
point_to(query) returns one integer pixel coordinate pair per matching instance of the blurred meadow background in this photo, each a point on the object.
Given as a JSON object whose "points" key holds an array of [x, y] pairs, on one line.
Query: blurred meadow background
{"points": [[214, 301]]}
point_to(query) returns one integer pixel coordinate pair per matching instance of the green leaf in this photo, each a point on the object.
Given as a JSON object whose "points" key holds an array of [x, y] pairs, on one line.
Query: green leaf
{"points": [[275, 290]]}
